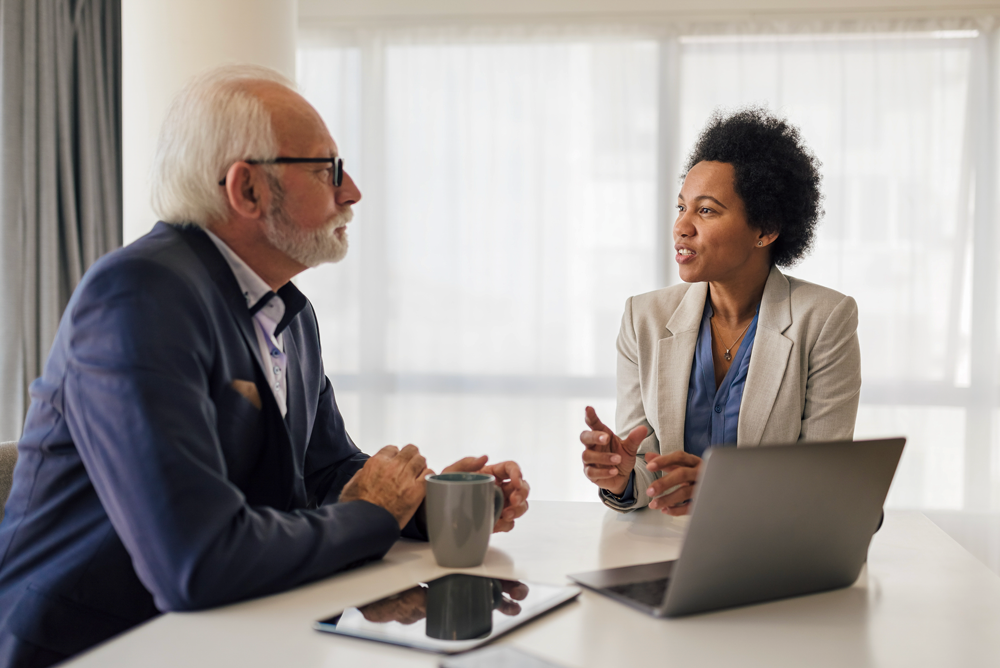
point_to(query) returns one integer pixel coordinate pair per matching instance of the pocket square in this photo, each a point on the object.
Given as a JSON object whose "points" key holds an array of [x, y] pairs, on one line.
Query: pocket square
{"points": [[249, 391]]}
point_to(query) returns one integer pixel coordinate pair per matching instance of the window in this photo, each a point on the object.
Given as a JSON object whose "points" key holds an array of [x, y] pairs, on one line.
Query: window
{"points": [[519, 186]]}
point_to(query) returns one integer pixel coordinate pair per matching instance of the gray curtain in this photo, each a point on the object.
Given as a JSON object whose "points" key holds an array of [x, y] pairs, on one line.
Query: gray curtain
{"points": [[60, 173]]}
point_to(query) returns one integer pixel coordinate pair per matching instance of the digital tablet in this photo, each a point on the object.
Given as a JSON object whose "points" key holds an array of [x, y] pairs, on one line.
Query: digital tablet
{"points": [[454, 613]]}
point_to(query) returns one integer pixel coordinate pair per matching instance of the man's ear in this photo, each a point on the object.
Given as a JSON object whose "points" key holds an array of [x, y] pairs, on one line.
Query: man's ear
{"points": [[246, 190]]}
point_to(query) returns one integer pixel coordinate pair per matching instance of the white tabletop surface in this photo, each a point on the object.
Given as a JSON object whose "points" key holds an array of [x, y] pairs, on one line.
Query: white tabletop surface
{"points": [[921, 601]]}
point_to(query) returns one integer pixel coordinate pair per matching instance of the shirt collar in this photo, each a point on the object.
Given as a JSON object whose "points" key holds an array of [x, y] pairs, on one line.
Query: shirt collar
{"points": [[280, 308], [252, 286]]}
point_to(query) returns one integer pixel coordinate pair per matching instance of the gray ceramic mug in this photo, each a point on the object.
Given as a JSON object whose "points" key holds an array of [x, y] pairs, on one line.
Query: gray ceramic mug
{"points": [[461, 511]]}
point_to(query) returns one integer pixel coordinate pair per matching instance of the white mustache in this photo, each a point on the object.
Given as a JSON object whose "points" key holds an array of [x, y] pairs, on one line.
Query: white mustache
{"points": [[341, 218]]}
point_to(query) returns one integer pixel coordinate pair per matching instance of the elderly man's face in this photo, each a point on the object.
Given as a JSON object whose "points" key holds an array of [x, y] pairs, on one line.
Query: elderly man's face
{"points": [[308, 216]]}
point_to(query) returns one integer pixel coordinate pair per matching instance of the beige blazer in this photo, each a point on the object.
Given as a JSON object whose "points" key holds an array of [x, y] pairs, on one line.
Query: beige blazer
{"points": [[803, 383]]}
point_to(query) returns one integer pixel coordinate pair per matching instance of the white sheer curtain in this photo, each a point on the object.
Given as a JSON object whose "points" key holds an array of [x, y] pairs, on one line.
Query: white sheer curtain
{"points": [[510, 201], [889, 116], [519, 185]]}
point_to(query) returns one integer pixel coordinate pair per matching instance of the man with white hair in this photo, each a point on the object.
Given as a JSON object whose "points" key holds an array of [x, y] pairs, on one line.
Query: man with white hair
{"points": [[183, 448]]}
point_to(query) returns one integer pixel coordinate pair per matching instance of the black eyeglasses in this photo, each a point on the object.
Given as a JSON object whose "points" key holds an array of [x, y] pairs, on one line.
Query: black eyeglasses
{"points": [[336, 164]]}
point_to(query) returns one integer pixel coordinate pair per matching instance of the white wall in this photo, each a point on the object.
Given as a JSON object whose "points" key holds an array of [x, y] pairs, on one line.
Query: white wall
{"points": [[163, 45]]}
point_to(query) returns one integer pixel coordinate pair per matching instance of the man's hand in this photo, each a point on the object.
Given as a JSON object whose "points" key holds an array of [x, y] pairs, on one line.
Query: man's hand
{"points": [[406, 608], [508, 475], [513, 591], [680, 470], [393, 479], [608, 461]]}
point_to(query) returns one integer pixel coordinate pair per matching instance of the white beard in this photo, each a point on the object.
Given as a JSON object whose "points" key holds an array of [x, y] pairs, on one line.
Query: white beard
{"points": [[309, 247]]}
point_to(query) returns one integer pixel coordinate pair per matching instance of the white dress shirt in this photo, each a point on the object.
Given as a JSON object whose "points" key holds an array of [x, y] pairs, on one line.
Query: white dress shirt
{"points": [[270, 347]]}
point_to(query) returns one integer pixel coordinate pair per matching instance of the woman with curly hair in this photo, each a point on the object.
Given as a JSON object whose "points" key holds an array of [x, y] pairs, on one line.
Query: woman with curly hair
{"points": [[739, 354]]}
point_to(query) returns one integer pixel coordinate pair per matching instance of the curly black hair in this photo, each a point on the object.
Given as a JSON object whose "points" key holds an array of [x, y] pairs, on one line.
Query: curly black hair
{"points": [[776, 175]]}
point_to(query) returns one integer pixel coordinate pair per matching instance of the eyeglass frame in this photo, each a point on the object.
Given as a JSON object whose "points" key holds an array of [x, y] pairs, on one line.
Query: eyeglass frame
{"points": [[336, 164]]}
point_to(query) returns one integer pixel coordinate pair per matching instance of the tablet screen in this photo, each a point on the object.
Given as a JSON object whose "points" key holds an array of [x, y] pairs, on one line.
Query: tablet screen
{"points": [[453, 613]]}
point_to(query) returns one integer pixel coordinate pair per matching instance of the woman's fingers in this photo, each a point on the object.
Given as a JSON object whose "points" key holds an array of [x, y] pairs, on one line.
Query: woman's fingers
{"points": [[594, 438], [594, 422], [655, 462], [600, 473], [634, 440], [599, 466], [595, 458], [675, 500], [677, 510], [678, 476]]}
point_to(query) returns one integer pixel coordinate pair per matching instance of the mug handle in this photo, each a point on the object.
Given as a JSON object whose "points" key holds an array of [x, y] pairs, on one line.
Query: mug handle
{"points": [[497, 503]]}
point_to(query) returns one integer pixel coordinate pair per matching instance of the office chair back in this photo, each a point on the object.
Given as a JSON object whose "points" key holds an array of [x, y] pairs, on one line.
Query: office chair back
{"points": [[8, 457]]}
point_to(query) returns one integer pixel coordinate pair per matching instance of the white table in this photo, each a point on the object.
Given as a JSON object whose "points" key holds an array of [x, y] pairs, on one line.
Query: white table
{"points": [[921, 601]]}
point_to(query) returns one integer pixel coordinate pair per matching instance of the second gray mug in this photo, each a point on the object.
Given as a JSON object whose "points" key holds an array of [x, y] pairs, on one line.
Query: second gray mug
{"points": [[461, 511]]}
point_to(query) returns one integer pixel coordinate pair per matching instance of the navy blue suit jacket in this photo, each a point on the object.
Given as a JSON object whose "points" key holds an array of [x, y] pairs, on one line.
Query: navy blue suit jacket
{"points": [[146, 483]]}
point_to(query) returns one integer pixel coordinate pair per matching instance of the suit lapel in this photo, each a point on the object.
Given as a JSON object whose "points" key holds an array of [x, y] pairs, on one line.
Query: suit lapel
{"points": [[277, 458], [675, 354], [222, 276], [295, 418], [768, 359]]}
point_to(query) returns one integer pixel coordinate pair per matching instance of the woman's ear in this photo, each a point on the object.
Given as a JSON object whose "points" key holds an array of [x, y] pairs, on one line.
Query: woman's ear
{"points": [[765, 240]]}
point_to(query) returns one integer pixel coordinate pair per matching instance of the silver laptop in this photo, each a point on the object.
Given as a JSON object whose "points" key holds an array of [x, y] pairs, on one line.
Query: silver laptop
{"points": [[767, 523]]}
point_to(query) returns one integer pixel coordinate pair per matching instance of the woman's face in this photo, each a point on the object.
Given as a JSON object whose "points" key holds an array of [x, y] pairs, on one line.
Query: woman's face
{"points": [[711, 236]]}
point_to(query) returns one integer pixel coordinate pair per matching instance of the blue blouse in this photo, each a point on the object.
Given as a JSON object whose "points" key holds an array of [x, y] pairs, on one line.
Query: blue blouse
{"points": [[713, 415]]}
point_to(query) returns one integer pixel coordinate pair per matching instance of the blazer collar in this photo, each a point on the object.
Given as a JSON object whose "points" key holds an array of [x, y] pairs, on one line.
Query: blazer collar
{"points": [[222, 277], [284, 442], [675, 355], [687, 315], [768, 359], [776, 304]]}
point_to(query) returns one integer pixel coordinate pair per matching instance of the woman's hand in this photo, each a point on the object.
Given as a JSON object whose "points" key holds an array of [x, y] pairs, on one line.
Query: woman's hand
{"points": [[680, 470], [608, 460]]}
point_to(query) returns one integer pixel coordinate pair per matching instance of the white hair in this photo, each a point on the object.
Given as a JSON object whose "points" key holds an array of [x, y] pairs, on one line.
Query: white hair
{"points": [[213, 122]]}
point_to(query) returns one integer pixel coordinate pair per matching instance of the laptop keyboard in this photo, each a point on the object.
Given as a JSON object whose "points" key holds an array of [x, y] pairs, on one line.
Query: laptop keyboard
{"points": [[650, 592]]}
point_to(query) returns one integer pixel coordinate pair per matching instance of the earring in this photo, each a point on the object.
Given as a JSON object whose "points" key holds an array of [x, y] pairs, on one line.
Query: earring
{"points": [[760, 243]]}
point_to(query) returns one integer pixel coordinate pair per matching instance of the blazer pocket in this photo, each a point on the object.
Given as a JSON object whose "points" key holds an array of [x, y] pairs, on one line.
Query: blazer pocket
{"points": [[248, 390], [58, 624]]}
